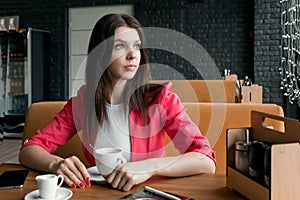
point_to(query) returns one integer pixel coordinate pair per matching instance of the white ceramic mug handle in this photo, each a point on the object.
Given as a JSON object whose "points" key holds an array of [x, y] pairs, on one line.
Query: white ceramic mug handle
{"points": [[122, 160], [60, 180]]}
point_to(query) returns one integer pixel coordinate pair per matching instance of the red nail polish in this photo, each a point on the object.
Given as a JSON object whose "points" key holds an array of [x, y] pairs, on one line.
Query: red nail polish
{"points": [[73, 185], [81, 185], [88, 183], [88, 179]]}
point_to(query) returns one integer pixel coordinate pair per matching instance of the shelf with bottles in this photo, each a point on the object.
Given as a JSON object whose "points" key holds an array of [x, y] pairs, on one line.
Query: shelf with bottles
{"points": [[3, 61], [23, 60], [16, 87], [16, 65], [15, 71], [18, 104], [3, 64], [15, 75], [16, 101]]}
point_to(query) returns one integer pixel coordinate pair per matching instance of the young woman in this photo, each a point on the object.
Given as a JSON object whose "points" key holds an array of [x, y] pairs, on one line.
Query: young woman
{"points": [[117, 107]]}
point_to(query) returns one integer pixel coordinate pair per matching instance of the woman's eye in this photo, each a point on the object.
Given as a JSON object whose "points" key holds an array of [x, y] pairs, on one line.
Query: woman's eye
{"points": [[137, 46], [119, 46]]}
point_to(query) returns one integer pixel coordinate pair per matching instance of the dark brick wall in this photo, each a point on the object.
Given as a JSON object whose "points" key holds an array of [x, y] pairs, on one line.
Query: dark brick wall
{"points": [[266, 49], [267, 36], [223, 28]]}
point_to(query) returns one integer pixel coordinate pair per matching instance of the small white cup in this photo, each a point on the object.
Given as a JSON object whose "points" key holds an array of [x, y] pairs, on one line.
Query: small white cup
{"points": [[107, 159], [48, 185]]}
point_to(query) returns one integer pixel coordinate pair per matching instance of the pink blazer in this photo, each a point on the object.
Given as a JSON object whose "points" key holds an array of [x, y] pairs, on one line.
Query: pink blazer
{"points": [[166, 115]]}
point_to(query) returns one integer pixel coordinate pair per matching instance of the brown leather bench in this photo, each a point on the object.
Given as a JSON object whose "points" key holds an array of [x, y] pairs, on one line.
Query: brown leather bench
{"points": [[214, 91]]}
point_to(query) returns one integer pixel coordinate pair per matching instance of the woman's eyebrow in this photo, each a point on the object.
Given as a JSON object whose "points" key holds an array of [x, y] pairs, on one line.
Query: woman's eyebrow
{"points": [[120, 40]]}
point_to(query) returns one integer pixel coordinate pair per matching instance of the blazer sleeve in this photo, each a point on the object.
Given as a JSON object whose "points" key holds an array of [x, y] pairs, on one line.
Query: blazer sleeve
{"points": [[62, 128], [185, 134]]}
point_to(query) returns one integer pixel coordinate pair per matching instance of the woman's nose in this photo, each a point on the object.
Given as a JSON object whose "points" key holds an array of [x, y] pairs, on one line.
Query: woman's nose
{"points": [[131, 55]]}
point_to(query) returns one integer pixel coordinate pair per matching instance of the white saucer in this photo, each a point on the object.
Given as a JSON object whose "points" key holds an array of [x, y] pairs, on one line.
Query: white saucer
{"points": [[61, 194], [95, 175]]}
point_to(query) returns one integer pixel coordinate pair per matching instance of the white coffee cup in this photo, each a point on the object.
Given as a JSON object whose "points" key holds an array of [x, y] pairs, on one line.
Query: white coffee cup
{"points": [[107, 159], [48, 185]]}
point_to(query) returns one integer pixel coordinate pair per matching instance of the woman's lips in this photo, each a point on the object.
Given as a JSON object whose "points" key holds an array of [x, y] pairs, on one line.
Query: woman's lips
{"points": [[130, 67]]}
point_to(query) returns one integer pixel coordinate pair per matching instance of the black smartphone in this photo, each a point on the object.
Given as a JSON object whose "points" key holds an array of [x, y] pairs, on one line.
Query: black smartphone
{"points": [[13, 179]]}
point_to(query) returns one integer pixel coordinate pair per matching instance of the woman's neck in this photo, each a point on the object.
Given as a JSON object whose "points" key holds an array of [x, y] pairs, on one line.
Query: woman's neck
{"points": [[117, 93]]}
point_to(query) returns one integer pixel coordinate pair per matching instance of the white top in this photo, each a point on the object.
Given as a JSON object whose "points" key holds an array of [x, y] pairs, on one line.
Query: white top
{"points": [[114, 131]]}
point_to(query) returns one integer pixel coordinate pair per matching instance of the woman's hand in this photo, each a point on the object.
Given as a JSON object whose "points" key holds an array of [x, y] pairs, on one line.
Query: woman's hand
{"points": [[126, 175], [74, 172]]}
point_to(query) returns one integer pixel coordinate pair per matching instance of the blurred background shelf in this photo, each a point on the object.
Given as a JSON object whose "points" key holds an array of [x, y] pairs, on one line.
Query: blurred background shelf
{"points": [[24, 60]]}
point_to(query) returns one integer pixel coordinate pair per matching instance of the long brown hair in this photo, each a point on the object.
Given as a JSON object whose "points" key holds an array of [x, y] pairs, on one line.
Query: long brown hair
{"points": [[99, 79]]}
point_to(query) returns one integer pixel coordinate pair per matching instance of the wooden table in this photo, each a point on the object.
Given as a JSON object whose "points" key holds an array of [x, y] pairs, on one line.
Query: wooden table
{"points": [[204, 186]]}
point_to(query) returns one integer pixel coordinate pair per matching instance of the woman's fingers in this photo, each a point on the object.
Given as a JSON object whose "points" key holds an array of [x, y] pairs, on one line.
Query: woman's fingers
{"points": [[116, 180], [127, 182], [121, 180], [81, 169], [127, 175], [74, 172]]}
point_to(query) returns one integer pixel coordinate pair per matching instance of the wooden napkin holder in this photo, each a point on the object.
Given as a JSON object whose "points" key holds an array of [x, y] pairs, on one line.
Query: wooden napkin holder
{"points": [[251, 94]]}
